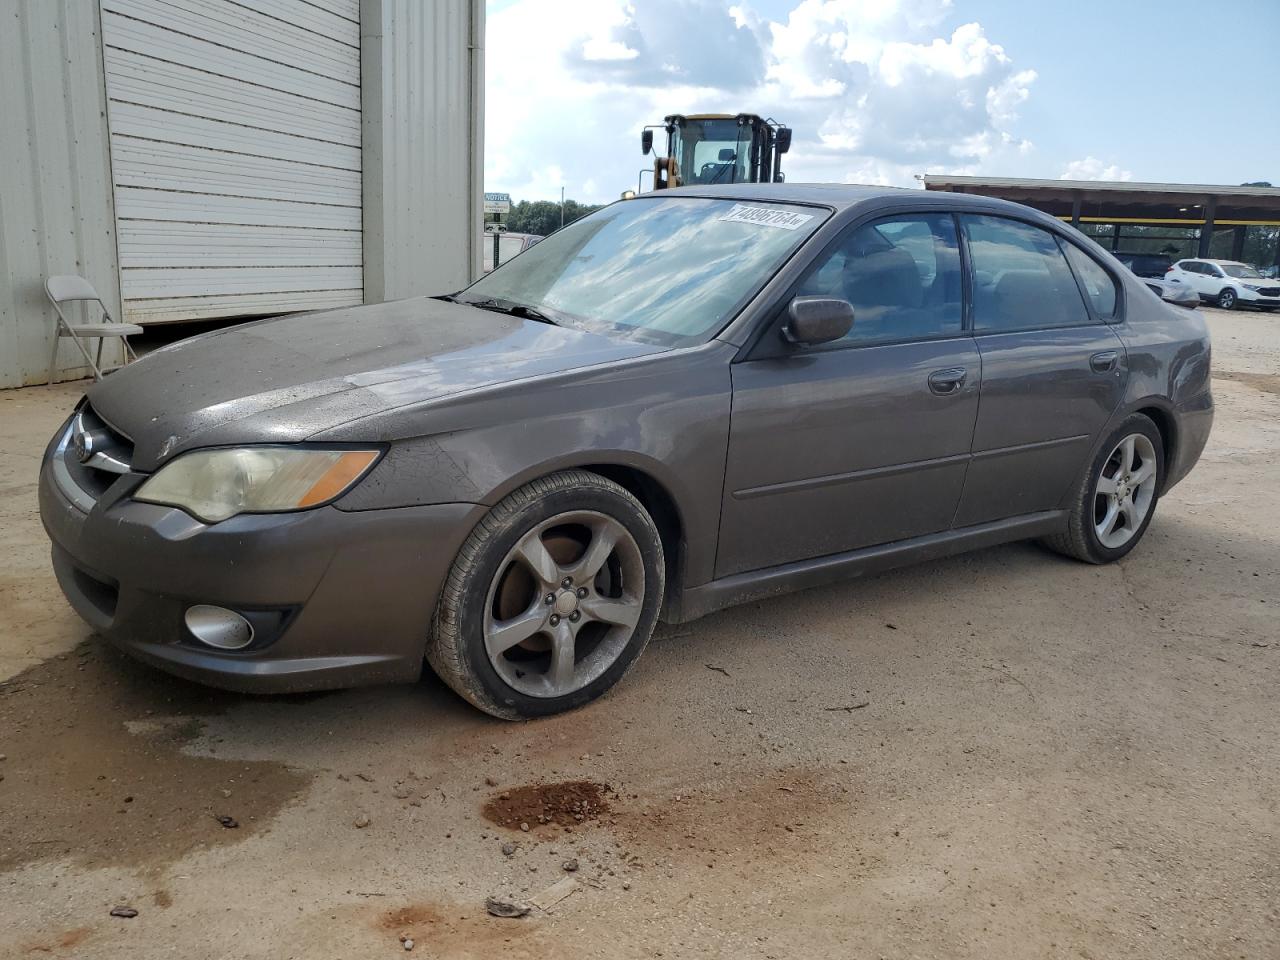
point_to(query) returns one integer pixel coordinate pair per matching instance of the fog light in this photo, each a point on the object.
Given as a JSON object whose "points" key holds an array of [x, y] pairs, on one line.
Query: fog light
{"points": [[219, 627]]}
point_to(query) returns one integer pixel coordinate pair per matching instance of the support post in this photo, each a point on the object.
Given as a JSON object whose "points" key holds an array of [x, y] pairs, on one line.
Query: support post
{"points": [[1237, 241], [1206, 232], [1076, 203]]}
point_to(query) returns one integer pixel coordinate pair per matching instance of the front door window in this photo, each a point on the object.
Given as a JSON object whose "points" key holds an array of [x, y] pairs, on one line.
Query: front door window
{"points": [[902, 276]]}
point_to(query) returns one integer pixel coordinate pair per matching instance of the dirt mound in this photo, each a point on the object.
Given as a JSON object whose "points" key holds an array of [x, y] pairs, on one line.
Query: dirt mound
{"points": [[566, 804]]}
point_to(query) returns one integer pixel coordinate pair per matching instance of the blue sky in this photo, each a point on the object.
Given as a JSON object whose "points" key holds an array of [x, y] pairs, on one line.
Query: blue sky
{"points": [[882, 90]]}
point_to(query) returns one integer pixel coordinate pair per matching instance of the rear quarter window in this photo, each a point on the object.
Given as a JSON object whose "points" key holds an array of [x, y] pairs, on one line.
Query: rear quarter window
{"points": [[1098, 285], [1021, 280]]}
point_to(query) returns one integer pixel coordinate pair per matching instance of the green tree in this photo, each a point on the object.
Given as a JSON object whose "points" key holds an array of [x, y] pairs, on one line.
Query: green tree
{"points": [[1257, 183], [542, 217]]}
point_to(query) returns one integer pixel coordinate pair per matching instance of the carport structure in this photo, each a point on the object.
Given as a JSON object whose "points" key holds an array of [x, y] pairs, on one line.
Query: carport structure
{"points": [[1181, 219]]}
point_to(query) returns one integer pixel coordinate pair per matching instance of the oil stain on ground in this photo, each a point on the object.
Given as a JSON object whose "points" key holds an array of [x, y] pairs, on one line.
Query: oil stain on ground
{"points": [[94, 768], [452, 930], [1266, 382]]}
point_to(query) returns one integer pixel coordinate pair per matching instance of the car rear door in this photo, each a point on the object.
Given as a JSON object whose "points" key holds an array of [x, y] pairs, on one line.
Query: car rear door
{"points": [[1053, 370], [864, 440]]}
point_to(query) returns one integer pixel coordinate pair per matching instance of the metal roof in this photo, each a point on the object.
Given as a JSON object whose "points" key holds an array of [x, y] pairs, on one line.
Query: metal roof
{"points": [[936, 182]]}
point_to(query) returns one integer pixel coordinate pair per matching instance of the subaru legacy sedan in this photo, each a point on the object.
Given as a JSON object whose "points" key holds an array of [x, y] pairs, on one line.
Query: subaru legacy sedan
{"points": [[681, 402]]}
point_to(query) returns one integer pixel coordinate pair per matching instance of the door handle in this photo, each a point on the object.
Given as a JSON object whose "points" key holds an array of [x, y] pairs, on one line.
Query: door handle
{"points": [[948, 381], [1104, 362]]}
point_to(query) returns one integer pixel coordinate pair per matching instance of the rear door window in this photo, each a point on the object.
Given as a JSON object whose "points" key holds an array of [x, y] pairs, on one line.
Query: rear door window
{"points": [[1021, 280]]}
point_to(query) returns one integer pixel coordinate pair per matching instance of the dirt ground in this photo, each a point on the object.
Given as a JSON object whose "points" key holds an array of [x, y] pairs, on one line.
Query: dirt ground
{"points": [[1002, 755]]}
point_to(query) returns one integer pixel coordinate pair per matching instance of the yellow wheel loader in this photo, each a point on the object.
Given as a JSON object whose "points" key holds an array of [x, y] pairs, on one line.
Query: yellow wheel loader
{"points": [[711, 148]]}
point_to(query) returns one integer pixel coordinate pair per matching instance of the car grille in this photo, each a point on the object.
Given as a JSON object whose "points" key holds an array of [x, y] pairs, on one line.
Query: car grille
{"points": [[90, 457], [1270, 291]]}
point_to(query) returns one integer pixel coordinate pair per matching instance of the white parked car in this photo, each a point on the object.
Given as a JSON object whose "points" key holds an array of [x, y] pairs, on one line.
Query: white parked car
{"points": [[1226, 283]]}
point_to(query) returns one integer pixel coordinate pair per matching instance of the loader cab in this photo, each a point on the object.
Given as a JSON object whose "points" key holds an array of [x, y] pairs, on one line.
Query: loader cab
{"points": [[718, 149]]}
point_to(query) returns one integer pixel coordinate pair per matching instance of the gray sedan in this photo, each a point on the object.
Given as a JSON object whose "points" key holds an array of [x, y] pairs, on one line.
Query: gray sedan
{"points": [[678, 403]]}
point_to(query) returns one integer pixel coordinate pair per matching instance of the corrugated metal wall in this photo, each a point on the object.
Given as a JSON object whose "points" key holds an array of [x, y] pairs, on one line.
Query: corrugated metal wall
{"points": [[409, 146], [236, 153], [55, 185], [422, 73]]}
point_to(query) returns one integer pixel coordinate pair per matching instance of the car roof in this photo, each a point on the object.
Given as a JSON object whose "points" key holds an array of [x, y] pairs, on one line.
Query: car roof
{"points": [[1221, 263], [842, 196], [838, 195]]}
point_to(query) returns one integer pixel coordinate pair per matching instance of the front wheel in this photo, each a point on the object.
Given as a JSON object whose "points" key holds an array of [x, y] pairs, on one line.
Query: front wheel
{"points": [[1117, 495], [551, 599], [1227, 299]]}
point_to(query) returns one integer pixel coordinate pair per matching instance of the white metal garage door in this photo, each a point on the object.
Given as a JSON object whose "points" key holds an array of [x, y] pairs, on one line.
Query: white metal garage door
{"points": [[235, 152]]}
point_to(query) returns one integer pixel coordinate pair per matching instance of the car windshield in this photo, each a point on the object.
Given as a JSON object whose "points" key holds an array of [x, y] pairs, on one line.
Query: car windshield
{"points": [[666, 270], [1241, 271]]}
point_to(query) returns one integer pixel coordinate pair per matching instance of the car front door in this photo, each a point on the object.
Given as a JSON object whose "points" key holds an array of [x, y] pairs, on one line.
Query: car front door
{"points": [[863, 440], [1215, 280], [1201, 279], [1053, 370]]}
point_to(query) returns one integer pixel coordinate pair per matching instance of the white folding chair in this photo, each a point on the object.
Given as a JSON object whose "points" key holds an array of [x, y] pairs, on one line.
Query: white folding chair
{"points": [[69, 289]]}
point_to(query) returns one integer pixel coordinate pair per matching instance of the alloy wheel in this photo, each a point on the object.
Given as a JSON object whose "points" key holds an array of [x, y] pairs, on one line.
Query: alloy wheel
{"points": [[564, 603], [1125, 491], [1227, 299]]}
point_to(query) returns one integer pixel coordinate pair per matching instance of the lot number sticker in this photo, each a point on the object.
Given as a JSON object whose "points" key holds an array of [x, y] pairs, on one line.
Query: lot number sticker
{"points": [[766, 217]]}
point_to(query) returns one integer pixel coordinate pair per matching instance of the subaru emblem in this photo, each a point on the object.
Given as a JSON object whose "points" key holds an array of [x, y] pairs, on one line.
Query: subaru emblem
{"points": [[81, 441]]}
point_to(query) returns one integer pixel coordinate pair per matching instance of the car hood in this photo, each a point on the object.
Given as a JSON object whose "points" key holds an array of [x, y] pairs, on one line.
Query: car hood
{"points": [[285, 379]]}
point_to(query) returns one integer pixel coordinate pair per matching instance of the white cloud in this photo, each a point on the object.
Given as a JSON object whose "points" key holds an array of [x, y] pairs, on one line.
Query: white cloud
{"points": [[1091, 168], [875, 90], [597, 48]]}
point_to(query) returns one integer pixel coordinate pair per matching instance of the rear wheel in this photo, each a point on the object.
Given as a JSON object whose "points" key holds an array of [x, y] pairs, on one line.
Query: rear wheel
{"points": [[551, 599], [1227, 299], [1116, 498]]}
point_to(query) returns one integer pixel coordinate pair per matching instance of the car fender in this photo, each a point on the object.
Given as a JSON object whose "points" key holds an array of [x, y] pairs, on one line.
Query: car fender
{"points": [[665, 418]]}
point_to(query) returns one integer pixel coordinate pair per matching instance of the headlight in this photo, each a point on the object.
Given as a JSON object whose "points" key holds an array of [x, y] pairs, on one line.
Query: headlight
{"points": [[216, 484], [1251, 286]]}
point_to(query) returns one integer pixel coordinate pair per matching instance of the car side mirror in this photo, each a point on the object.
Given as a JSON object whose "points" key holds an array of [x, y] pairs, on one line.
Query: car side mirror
{"points": [[814, 320], [783, 139], [646, 141]]}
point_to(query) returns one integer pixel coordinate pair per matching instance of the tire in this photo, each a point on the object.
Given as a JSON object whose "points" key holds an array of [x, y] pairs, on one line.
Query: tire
{"points": [[576, 637], [1227, 299], [1091, 507]]}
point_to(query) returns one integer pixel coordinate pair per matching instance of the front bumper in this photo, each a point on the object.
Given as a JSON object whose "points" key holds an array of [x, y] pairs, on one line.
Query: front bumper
{"points": [[1256, 298], [338, 598]]}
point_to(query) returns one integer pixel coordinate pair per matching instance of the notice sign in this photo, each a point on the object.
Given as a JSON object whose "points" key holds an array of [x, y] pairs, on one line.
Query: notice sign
{"points": [[766, 217], [497, 203]]}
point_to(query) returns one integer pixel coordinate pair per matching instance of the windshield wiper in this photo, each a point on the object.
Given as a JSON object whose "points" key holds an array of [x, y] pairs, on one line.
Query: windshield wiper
{"points": [[510, 307]]}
